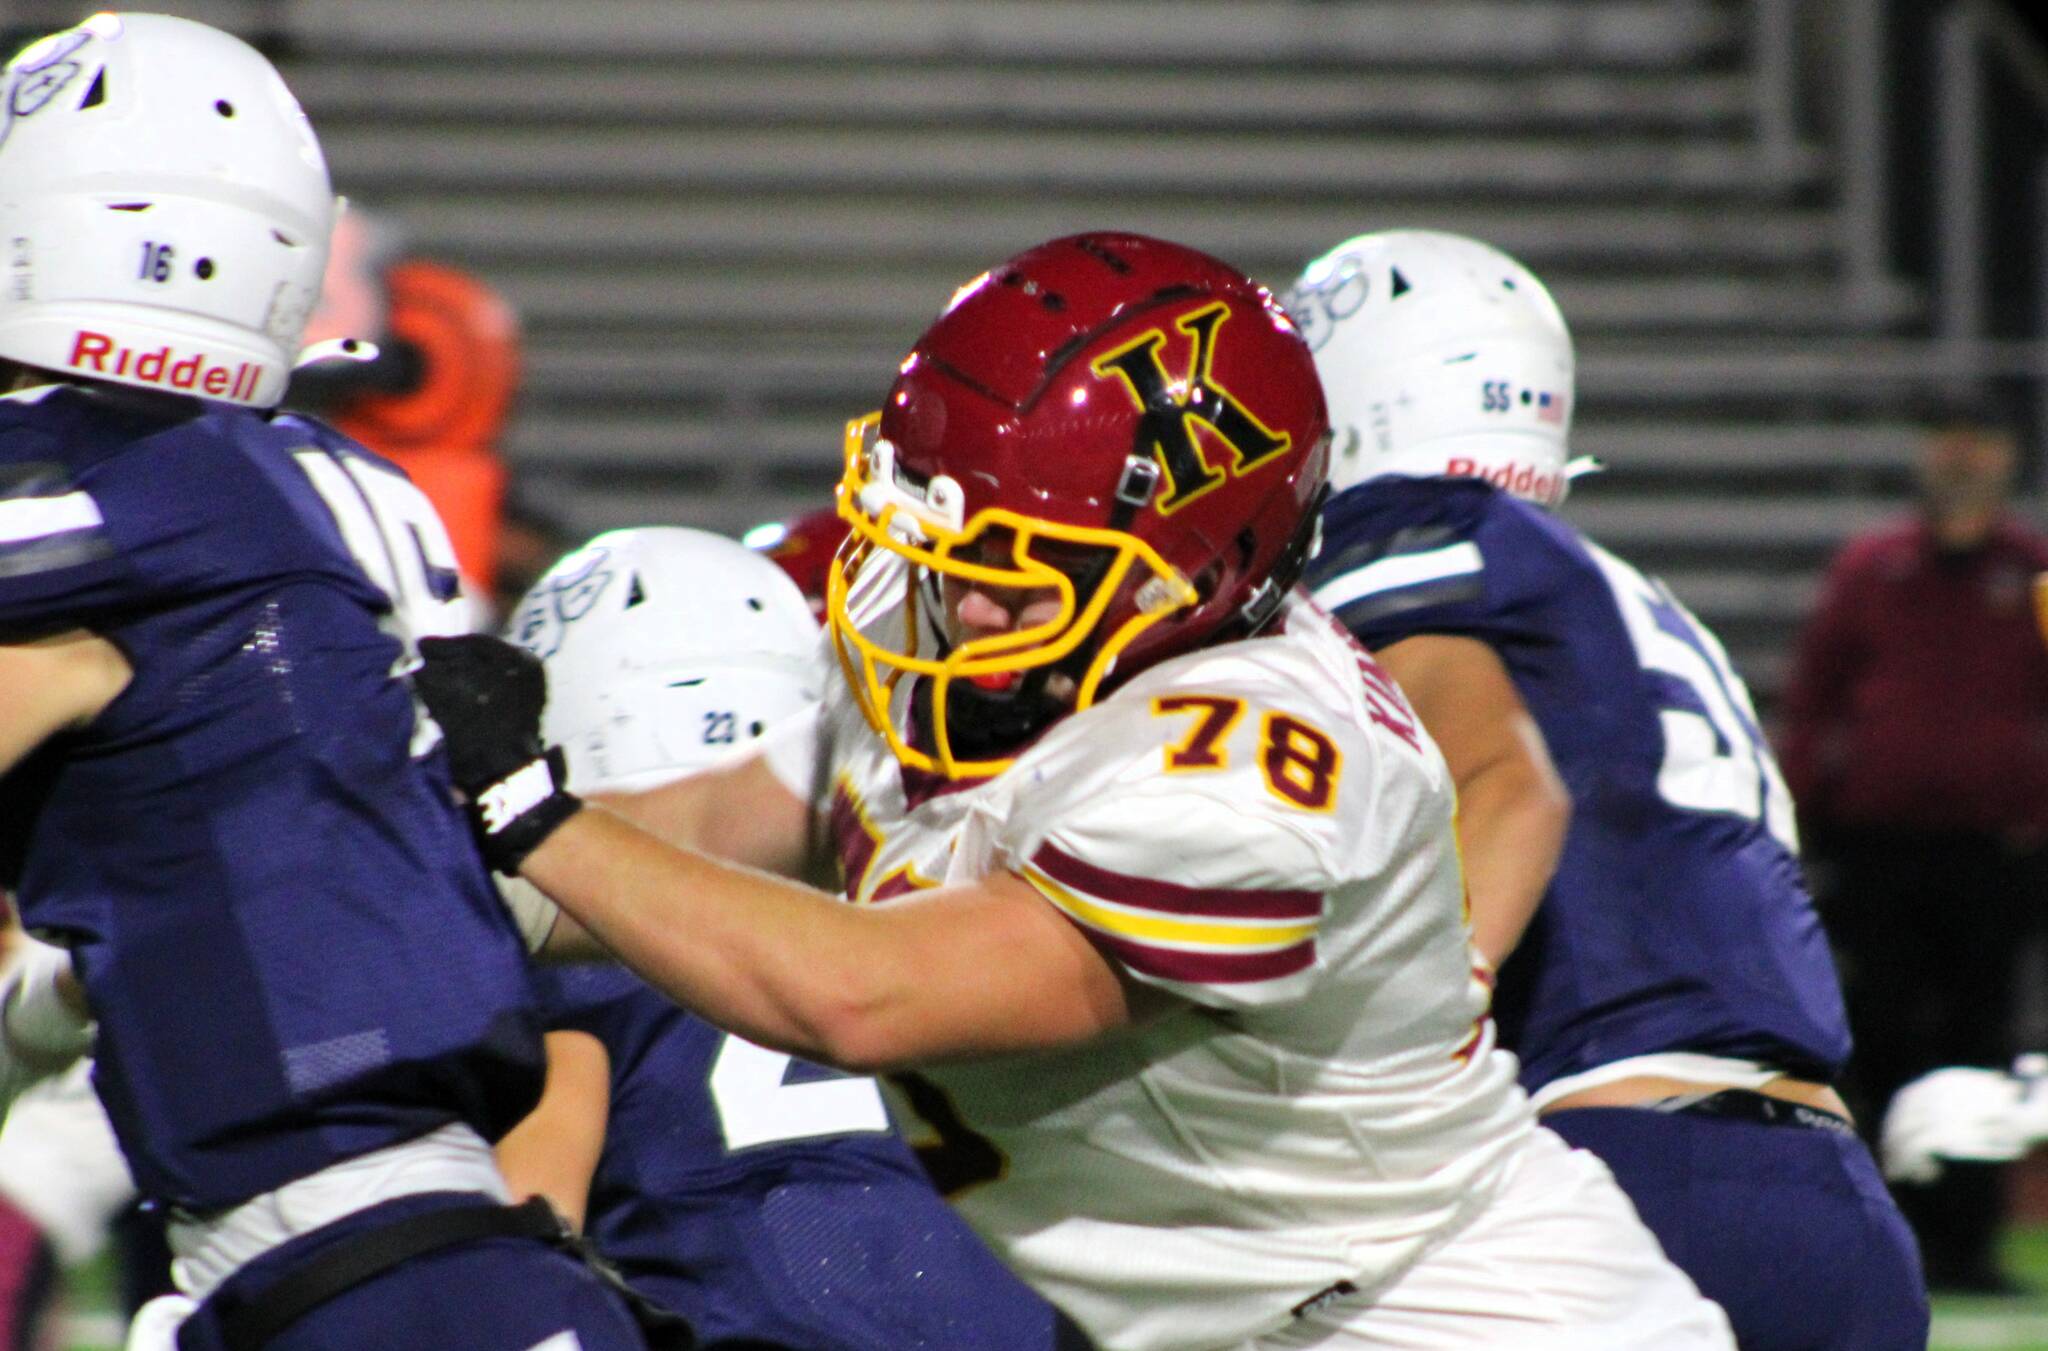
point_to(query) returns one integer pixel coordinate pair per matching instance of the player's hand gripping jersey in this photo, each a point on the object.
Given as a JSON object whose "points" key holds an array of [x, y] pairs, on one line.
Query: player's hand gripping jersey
{"points": [[1261, 829], [261, 1015], [1677, 919]]}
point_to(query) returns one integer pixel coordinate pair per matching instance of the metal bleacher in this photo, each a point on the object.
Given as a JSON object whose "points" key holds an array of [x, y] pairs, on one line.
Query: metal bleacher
{"points": [[724, 221]]}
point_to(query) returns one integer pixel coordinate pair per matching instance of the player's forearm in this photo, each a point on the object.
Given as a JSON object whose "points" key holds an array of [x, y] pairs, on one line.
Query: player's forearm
{"points": [[976, 969], [740, 813], [1511, 828], [555, 1151], [44, 1022], [54, 683], [779, 963]]}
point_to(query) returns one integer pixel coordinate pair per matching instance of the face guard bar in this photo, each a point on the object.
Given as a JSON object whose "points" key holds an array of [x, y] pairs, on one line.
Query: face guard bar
{"points": [[875, 611]]}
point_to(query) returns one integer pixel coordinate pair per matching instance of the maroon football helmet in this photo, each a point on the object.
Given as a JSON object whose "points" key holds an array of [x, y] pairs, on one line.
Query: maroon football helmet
{"points": [[1126, 422]]}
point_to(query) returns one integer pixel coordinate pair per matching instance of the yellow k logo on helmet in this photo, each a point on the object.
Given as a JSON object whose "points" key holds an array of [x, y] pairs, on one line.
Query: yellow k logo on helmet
{"points": [[1172, 410]]}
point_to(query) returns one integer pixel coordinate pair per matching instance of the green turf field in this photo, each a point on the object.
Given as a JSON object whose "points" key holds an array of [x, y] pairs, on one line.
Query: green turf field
{"points": [[1960, 1323], [1964, 1323]]}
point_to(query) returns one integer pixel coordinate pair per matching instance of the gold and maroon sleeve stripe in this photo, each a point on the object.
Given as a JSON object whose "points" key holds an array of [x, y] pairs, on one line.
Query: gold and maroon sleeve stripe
{"points": [[1207, 967], [1171, 932], [1172, 898]]}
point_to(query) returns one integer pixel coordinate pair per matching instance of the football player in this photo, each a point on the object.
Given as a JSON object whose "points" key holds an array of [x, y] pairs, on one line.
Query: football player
{"points": [[1628, 842], [803, 548], [762, 1197], [1154, 879], [215, 789]]}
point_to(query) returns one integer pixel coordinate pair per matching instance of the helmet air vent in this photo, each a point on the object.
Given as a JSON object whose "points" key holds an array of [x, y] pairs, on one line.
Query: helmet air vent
{"points": [[130, 206], [1103, 254], [224, 108], [1401, 286], [97, 94]]}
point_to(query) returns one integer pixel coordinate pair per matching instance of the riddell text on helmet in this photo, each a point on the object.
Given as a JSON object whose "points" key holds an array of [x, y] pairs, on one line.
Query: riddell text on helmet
{"points": [[197, 372], [1521, 480]]}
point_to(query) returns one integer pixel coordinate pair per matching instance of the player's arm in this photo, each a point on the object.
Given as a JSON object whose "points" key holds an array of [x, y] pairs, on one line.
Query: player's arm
{"points": [[53, 684], [963, 970], [554, 1151], [739, 810], [44, 1022], [1512, 807], [966, 970]]}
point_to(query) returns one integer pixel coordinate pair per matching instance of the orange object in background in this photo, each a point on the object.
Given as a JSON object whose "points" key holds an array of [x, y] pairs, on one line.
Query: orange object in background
{"points": [[444, 428]]}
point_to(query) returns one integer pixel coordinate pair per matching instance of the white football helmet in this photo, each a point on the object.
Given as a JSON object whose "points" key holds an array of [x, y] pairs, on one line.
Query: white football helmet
{"points": [[666, 649], [164, 210], [1439, 355]]}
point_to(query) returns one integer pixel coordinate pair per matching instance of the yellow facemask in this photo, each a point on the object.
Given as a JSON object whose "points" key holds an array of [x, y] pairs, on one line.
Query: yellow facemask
{"points": [[907, 536]]}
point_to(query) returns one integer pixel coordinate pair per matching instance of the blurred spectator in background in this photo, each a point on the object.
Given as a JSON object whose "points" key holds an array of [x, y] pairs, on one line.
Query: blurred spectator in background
{"points": [[1915, 738], [436, 399]]}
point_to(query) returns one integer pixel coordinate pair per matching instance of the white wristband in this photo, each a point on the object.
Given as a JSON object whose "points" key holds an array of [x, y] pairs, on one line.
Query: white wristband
{"points": [[516, 794]]}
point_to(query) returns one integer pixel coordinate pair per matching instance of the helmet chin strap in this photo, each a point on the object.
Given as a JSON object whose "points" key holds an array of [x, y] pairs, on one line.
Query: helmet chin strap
{"points": [[985, 724], [1264, 603]]}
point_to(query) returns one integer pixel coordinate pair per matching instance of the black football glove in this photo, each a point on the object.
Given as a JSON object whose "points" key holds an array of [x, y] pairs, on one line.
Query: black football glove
{"points": [[487, 694]]}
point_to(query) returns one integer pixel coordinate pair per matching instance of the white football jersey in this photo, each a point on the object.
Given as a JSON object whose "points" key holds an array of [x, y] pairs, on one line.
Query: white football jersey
{"points": [[1263, 829]]}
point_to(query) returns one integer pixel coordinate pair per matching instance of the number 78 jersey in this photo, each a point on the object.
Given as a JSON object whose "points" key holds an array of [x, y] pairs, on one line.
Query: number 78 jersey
{"points": [[1261, 829], [1677, 919]]}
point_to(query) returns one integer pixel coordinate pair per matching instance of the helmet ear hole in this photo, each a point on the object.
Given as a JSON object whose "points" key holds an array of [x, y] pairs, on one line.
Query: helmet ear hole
{"points": [[1205, 583], [1247, 546]]}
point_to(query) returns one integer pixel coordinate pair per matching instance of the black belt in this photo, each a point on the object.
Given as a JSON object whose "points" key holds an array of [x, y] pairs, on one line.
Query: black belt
{"points": [[1743, 1104], [248, 1323]]}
